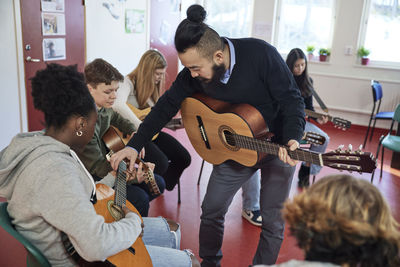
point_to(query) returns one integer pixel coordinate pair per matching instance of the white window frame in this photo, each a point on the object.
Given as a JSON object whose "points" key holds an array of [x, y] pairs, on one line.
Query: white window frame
{"points": [[278, 19], [361, 41]]}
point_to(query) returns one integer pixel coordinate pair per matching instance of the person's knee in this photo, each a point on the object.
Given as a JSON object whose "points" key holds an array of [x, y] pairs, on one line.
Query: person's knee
{"points": [[186, 159], [139, 198], [173, 226], [162, 165]]}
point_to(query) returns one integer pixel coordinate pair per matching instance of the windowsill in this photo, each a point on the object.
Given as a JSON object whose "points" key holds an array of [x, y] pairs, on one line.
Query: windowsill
{"points": [[376, 66], [319, 62]]}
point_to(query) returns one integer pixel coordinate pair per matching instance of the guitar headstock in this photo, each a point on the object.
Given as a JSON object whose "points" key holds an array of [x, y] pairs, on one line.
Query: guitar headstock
{"points": [[348, 160], [313, 138], [341, 123]]}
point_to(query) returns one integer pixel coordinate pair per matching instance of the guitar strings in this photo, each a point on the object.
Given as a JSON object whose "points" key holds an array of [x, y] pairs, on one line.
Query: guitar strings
{"points": [[270, 148]]}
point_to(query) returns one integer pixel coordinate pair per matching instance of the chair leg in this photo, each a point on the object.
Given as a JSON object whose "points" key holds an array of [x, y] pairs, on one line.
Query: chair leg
{"points": [[383, 150], [376, 157], [372, 130], [201, 171], [179, 191], [366, 135]]}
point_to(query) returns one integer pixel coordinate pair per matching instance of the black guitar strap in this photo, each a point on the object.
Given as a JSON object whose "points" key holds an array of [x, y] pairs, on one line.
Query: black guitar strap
{"points": [[319, 100]]}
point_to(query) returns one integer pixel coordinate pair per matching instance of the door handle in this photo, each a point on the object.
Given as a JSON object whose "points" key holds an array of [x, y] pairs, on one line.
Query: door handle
{"points": [[30, 59]]}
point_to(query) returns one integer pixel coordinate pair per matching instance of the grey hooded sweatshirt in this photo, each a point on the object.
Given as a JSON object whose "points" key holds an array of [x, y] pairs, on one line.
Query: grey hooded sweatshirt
{"points": [[49, 191]]}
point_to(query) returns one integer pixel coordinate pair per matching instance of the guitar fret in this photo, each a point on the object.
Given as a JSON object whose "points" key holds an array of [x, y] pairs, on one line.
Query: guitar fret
{"points": [[271, 148]]}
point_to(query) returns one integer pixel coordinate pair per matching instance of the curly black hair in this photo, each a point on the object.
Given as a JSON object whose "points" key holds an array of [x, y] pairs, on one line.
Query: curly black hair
{"points": [[61, 92], [193, 32]]}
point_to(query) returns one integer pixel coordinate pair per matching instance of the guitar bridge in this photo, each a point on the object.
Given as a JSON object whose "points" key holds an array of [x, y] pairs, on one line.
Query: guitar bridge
{"points": [[203, 132]]}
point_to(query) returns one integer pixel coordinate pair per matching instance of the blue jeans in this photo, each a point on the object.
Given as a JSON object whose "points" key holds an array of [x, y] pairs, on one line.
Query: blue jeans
{"points": [[310, 127], [164, 245], [225, 180], [251, 193]]}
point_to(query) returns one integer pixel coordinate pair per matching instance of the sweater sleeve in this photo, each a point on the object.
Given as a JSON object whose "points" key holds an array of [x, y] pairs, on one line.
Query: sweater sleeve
{"points": [[120, 105], [62, 199], [283, 89]]}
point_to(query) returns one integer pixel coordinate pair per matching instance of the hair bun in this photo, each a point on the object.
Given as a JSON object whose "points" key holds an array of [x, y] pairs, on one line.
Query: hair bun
{"points": [[196, 13]]}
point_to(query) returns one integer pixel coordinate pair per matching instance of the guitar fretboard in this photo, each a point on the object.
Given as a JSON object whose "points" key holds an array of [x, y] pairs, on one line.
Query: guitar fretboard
{"points": [[120, 185], [272, 148], [317, 115]]}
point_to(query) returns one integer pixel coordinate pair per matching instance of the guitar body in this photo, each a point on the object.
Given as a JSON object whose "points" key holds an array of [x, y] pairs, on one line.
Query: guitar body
{"points": [[206, 119], [141, 114], [220, 131], [125, 258]]}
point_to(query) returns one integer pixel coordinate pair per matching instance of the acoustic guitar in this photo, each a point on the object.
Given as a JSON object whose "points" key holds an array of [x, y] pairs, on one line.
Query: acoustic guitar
{"points": [[221, 131], [109, 204], [341, 123], [115, 142], [174, 124]]}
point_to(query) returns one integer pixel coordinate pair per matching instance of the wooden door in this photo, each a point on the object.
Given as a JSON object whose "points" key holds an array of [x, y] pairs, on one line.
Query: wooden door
{"points": [[32, 38], [164, 19]]}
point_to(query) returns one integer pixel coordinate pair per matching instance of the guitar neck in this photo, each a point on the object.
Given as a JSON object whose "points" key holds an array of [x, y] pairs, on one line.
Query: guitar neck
{"points": [[273, 149], [314, 114], [120, 185]]}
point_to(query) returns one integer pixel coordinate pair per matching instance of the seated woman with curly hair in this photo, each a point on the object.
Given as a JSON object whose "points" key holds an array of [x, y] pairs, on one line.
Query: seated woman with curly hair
{"points": [[341, 220]]}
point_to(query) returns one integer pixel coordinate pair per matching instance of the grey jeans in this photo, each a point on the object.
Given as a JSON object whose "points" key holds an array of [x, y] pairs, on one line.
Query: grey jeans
{"points": [[225, 180]]}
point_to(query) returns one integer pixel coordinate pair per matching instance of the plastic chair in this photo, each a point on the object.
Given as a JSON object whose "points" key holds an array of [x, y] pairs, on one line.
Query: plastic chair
{"points": [[389, 141], [377, 95], [35, 258]]}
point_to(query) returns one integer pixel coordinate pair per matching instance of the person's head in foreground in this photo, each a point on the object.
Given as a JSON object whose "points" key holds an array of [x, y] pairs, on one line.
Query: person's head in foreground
{"points": [[345, 221]]}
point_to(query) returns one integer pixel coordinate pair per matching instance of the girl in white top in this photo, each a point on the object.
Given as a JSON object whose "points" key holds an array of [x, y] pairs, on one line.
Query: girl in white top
{"points": [[141, 89]]}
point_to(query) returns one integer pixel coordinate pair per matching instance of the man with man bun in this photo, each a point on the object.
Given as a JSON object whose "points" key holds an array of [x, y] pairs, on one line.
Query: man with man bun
{"points": [[248, 71]]}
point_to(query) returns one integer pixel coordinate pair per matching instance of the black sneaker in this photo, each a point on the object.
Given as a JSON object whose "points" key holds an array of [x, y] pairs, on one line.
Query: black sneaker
{"points": [[254, 217]]}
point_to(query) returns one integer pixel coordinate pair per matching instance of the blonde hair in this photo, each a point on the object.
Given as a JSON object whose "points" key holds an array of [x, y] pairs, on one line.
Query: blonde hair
{"points": [[341, 219], [142, 77]]}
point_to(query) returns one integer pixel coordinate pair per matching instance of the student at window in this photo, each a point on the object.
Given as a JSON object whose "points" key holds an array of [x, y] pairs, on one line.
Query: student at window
{"points": [[297, 63]]}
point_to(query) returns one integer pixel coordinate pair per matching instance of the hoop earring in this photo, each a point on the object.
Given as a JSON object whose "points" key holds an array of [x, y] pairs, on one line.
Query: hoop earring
{"points": [[79, 133]]}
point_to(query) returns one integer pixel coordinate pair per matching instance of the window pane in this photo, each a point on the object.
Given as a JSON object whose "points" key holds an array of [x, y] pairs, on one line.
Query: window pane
{"points": [[230, 18], [305, 22], [383, 30]]}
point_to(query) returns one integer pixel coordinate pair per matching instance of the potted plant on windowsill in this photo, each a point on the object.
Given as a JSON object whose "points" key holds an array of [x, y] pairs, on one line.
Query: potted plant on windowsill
{"points": [[323, 54], [310, 52], [363, 53]]}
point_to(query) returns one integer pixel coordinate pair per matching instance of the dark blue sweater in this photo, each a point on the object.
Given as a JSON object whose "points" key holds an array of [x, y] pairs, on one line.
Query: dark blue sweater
{"points": [[260, 78]]}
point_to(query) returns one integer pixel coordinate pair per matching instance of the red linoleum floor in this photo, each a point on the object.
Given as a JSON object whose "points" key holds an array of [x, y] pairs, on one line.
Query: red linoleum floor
{"points": [[241, 238]]}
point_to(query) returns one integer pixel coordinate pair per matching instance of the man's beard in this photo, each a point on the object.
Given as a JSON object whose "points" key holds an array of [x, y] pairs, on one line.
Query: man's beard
{"points": [[218, 73]]}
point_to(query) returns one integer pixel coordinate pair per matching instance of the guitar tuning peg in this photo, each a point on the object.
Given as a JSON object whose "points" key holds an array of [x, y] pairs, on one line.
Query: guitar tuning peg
{"points": [[359, 148], [350, 147], [340, 147]]}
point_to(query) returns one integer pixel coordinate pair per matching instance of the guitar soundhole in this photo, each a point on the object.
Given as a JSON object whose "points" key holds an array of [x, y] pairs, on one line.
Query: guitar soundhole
{"points": [[227, 136], [115, 211]]}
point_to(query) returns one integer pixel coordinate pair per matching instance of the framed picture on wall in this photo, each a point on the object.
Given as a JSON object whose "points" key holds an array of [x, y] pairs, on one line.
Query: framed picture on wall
{"points": [[53, 24], [54, 49], [134, 21], [53, 5]]}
